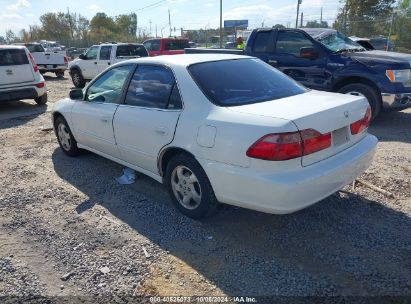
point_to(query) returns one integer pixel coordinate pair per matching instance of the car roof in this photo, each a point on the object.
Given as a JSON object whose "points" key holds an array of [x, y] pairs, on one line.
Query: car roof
{"points": [[187, 59], [119, 43], [12, 46], [318, 32]]}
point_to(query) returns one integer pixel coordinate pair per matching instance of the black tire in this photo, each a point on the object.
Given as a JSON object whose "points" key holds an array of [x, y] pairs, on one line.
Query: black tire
{"points": [[60, 74], [71, 149], [77, 79], [41, 100], [372, 96], [207, 203]]}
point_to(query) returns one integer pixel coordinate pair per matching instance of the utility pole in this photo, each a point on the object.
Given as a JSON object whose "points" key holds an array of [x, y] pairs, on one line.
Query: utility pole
{"points": [[169, 21], [301, 21], [321, 18], [221, 24], [156, 30], [298, 12], [149, 34]]}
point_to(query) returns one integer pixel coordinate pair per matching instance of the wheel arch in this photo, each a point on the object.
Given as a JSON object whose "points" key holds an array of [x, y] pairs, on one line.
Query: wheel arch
{"points": [[354, 80], [167, 154]]}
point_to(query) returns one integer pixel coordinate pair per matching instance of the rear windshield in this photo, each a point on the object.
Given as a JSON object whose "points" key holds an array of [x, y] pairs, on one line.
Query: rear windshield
{"points": [[13, 57], [131, 50], [174, 45], [242, 81], [35, 48]]}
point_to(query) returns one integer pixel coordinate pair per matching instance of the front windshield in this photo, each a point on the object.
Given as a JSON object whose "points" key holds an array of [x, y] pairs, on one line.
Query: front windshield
{"points": [[337, 42]]}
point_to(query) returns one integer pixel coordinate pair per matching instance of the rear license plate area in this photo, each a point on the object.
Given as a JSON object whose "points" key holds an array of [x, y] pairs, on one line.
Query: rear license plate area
{"points": [[49, 66], [340, 136]]}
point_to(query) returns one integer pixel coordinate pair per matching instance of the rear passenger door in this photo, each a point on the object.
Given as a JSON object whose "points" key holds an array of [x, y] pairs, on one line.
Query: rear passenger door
{"points": [[104, 57], [147, 119]]}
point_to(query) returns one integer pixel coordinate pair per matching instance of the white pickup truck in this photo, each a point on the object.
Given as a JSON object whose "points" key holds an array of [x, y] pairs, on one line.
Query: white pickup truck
{"points": [[99, 57], [47, 61]]}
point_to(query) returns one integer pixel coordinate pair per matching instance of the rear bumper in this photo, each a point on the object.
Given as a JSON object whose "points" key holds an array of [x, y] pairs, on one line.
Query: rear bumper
{"points": [[396, 101], [52, 68], [28, 92], [287, 192]]}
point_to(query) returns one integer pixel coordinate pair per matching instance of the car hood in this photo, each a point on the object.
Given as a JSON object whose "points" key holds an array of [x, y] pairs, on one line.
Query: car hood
{"points": [[393, 59]]}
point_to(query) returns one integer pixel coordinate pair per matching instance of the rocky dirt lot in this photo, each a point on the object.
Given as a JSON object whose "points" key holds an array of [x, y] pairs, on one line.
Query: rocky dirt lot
{"points": [[67, 228]]}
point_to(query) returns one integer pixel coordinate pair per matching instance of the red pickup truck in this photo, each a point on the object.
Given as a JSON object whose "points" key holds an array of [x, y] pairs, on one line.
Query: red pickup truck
{"points": [[166, 46]]}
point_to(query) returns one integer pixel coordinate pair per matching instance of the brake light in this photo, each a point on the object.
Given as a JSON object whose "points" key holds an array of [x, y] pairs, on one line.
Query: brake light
{"points": [[314, 141], [280, 146], [40, 85], [66, 60], [33, 62], [284, 146], [362, 124]]}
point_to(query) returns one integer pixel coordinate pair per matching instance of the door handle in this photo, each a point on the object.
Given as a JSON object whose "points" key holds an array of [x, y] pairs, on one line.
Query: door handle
{"points": [[161, 130], [108, 63], [273, 62], [104, 119]]}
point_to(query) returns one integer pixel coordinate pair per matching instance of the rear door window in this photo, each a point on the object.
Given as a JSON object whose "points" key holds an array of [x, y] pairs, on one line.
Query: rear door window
{"points": [[174, 45], [153, 86], [263, 42], [13, 57], [131, 50], [105, 52]]}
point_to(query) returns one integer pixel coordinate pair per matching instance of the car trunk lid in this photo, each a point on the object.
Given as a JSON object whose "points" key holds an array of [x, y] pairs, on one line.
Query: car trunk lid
{"points": [[322, 111]]}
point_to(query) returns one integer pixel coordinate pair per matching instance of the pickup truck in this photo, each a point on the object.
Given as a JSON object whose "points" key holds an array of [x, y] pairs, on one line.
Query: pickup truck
{"points": [[99, 57], [47, 61], [166, 46], [324, 59]]}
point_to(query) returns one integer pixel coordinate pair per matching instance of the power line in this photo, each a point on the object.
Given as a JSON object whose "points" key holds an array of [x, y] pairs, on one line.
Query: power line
{"points": [[151, 5]]}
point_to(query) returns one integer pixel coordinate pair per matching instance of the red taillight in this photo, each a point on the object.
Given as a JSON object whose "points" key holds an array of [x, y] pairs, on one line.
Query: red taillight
{"points": [[66, 60], [40, 85], [33, 62], [314, 141], [280, 146], [362, 124], [284, 146]]}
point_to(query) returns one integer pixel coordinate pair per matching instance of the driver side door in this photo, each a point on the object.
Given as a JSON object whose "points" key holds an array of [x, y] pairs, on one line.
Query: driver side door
{"points": [[311, 72], [89, 66], [92, 118]]}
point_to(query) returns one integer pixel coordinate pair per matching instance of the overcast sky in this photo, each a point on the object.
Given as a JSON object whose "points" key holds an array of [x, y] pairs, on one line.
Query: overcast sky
{"points": [[189, 14]]}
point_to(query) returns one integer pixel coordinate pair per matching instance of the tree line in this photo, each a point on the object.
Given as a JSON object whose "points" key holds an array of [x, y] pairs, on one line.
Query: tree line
{"points": [[373, 18], [72, 29]]}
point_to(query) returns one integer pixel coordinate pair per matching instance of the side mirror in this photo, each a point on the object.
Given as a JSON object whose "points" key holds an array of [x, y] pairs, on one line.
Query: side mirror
{"points": [[76, 94], [309, 53], [82, 56]]}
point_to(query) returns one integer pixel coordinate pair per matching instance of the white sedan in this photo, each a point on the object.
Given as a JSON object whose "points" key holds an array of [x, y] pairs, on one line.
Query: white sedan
{"points": [[220, 129]]}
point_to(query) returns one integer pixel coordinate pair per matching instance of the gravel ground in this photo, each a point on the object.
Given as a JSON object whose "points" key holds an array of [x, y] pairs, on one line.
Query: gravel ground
{"points": [[67, 228]]}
